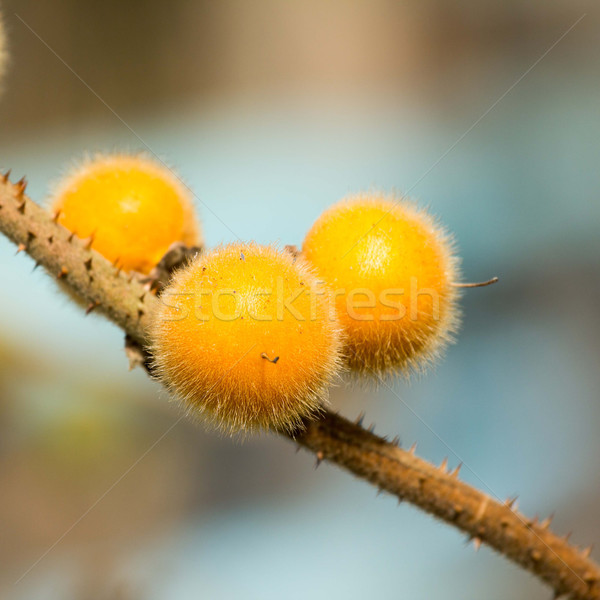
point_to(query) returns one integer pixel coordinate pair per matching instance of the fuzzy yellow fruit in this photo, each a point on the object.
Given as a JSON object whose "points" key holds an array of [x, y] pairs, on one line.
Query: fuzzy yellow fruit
{"points": [[390, 268], [244, 336], [133, 207]]}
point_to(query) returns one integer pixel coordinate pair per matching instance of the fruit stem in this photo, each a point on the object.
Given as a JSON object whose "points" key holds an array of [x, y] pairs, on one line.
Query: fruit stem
{"points": [[476, 285]]}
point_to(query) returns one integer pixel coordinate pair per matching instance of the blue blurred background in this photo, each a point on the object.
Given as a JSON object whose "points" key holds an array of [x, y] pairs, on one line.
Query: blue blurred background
{"points": [[271, 111]]}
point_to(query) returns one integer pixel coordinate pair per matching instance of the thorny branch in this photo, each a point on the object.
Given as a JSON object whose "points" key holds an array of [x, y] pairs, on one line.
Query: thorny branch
{"points": [[129, 303]]}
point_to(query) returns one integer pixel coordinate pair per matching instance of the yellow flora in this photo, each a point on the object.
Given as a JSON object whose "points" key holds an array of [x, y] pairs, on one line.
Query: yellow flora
{"points": [[132, 207], [244, 336], [391, 269]]}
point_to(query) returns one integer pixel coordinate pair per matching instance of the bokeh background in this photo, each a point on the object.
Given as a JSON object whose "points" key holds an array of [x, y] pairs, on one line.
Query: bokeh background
{"points": [[272, 111]]}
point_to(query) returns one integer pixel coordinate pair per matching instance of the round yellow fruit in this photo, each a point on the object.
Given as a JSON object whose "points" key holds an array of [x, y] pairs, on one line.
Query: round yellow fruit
{"points": [[133, 207], [390, 269], [244, 336]]}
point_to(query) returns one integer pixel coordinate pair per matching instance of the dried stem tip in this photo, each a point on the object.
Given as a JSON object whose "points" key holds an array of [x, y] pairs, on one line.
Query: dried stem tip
{"points": [[476, 285]]}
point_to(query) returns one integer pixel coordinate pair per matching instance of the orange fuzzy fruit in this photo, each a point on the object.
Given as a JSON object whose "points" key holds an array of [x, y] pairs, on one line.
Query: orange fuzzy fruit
{"points": [[134, 208], [245, 337], [390, 268]]}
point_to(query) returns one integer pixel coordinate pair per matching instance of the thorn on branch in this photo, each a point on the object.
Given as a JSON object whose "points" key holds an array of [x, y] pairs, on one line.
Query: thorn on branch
{"points": [[320, 456], [531, 522], [91, 306], [21, 186], [89, 241], [456, 471], [546, 522]]}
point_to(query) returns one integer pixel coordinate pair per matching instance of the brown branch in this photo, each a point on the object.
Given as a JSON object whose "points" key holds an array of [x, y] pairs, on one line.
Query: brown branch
{"points": [[125, 301], [527, 542]]}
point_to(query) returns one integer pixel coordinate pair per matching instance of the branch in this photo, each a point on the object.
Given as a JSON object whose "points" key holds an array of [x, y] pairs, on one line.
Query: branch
{"points": [[125, 301], [438, 492]]}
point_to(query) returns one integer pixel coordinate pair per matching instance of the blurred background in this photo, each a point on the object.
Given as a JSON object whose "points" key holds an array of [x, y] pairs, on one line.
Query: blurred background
{"points": [[272, 111]]}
